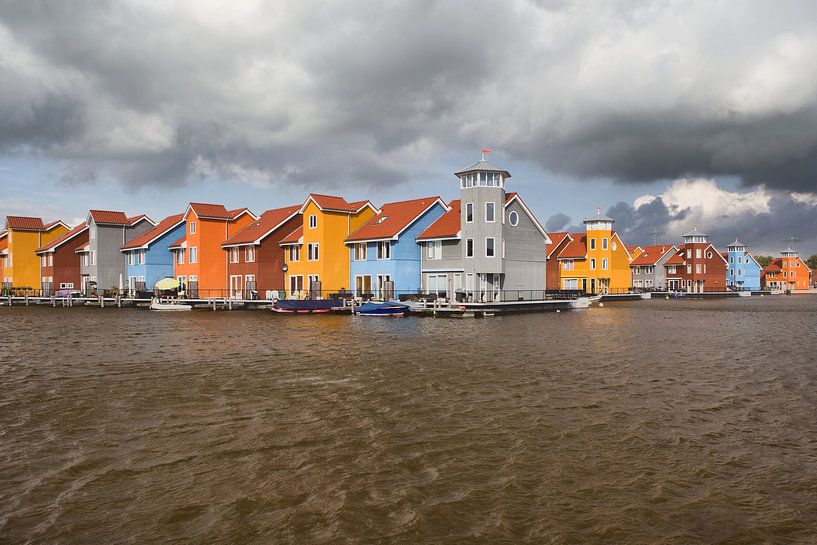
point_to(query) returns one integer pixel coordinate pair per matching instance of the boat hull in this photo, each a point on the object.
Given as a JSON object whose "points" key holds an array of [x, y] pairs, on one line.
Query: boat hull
{"points": [[305, 306], [382, 309]]}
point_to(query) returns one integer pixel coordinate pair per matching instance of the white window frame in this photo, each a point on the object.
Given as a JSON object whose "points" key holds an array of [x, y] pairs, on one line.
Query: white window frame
{"points": [[604, 263], [194, 255], [234, 254], [493, 246], [294, 254], [192, 227], [605, 243], [313, 221], [384, 250], [434, 250], [592, 263], [179, 256], [360, 250], [467, 241], [513, 218], [469, 212], [140, 257], [249, 254], [592, 243], [313, 251], [492, 207]]}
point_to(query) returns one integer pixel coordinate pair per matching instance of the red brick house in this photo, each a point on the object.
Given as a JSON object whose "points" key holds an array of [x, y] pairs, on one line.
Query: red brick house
{"points": [[60, 262], [697, 267], [255, 260]]}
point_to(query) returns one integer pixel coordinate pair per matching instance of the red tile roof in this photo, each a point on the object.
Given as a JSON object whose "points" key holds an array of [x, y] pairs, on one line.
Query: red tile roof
{"points": [[677, 259], [446, 226], [84, 248], [263, 226], [49, 226], [294, 236], [652, 254], [393, 218], [557, 239], [25, 223], [211, 211], [65, 237], [577, 248], [160, 229], [135, 219], [110, 217], [336, 204], [178, 243]]}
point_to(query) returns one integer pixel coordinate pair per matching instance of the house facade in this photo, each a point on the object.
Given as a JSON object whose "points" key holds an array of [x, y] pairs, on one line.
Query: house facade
{"points": [[487, 246], [255, 259], [200, 264], [102, 264], [596, 261], [744, 271], [788, 272], [60, 263], [648, 268], [24, 235], [383, 253], [697, 267], [148, 257], [317, 258], [559, 242]]}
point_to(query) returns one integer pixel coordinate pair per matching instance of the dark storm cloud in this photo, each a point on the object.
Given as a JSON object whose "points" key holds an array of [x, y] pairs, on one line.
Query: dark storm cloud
{"points": [[764, 232], [557, 222], [373, 93]]}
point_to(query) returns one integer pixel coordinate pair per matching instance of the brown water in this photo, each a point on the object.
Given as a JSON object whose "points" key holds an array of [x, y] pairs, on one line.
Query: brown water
{"points": [[646, 422]]}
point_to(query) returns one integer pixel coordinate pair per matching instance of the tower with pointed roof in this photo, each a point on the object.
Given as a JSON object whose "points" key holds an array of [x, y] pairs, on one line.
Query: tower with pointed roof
{"points": [[488, 245], [482, 194], [743, 272]]}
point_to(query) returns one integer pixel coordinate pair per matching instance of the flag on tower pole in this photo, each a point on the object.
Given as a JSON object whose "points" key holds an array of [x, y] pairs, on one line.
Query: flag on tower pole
{"points": [[484, 151]]}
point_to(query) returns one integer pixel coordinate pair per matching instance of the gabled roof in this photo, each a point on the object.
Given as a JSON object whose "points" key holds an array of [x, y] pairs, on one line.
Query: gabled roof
{"points": [[651, 255], [141, 217], [148, 237], [332, 203], [294, 237], [393, 219], [110, 217], [216, 211], [676, 259], [557, 240], [179, 244], [269, 222], [49, 226], [513, 196], [62, 239], [633, 247], [577, 248], [446, 226], [24, 223]]}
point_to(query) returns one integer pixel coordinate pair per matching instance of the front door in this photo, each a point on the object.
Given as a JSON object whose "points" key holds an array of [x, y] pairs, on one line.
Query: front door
{"points": [[236, 286]]}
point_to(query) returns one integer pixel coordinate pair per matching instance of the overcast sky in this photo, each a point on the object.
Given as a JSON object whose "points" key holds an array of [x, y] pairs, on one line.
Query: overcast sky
{"points": [[668, 115]]}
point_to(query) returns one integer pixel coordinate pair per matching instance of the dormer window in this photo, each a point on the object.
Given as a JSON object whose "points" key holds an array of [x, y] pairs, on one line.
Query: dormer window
{"points": [[381, 220]]}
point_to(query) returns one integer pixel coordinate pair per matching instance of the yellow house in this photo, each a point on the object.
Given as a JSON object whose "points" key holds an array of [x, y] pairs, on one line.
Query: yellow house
{"points": [[21, 265], [596, 261], [316, 257]]}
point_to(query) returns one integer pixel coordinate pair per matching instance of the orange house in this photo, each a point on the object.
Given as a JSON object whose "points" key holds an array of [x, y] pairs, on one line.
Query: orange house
{"points": [[788, 273], [200, 264], [21, 265]]}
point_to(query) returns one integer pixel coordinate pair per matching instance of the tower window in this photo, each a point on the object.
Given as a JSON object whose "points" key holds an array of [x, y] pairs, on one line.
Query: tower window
{"points": [[489, 247], [469, 247], [489, 212], [469, 212]]}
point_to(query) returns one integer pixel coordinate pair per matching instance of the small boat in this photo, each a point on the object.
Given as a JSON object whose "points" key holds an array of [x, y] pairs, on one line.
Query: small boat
{"points": [[305, 306], [389, 308], [169, 306]]}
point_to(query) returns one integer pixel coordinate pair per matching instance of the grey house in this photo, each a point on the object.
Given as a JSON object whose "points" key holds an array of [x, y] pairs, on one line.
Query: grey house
{"points": [[648, 269], [102, 265], [488, 246]]}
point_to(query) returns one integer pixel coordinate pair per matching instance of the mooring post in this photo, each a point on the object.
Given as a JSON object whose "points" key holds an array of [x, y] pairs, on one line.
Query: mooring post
{"points": [[101, 301], [26, 299], [53, 301], [118, 300]]}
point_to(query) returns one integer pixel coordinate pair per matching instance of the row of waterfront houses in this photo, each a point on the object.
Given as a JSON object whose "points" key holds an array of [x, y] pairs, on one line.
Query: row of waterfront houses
{"points": [[485, 245]]}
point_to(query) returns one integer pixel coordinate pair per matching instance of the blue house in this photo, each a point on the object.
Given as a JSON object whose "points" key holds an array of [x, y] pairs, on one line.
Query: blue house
{"points": [[148, 256], [384, 255], [743, 270]]}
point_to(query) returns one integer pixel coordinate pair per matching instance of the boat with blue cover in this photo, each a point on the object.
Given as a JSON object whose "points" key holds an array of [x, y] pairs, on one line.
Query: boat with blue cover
{"points": [[388, 308], [305, 306]]}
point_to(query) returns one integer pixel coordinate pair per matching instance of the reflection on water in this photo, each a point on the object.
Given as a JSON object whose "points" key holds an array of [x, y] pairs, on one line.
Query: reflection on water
{"points": [[644, 422]]}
